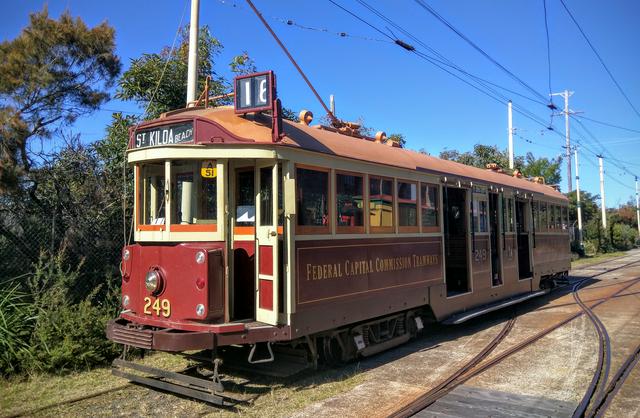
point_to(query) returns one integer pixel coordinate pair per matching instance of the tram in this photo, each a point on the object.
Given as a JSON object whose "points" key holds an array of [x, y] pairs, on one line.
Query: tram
{"points": [[256, 231]]}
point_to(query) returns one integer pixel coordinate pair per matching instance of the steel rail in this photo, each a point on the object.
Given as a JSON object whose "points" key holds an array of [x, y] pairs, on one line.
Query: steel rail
{"points": [[446, 385], [616, 383], [422, 402], [601, 373]]}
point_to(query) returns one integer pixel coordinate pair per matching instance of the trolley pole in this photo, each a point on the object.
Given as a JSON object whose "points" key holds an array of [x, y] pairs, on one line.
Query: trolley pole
{"points": [[579, 208], [565, 94], [510, 113], [602, 204], [637, 205], [192, 77]]}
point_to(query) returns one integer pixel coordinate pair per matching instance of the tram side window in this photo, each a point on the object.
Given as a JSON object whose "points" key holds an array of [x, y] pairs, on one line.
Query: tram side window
{"points": [[313, 199], [535, 214], [380, 204], [553, 220], [152, 198], [507, 213], [429, 204], [544, 219], [349, 202], [245, 198], [565, 218], [194, 194], [407, 205], [479, 215]]}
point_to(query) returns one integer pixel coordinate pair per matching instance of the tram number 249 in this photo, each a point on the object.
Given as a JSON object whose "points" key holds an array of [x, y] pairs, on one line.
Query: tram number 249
{"points": [[161, 307]]}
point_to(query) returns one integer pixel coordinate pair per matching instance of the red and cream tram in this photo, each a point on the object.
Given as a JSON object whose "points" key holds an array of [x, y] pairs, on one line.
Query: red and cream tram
{"points": [[252, 230]]}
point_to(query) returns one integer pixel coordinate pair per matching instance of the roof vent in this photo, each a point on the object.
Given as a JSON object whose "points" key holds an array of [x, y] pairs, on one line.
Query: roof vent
{"points": [[305, 117], [381, 136], [517, 173], [539, 180]]}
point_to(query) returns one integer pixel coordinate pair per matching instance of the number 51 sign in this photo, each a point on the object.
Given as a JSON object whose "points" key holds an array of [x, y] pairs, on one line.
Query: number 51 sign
{"points": [[255, 92]]}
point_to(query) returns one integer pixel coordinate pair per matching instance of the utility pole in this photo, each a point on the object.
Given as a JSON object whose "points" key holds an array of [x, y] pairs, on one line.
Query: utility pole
{"points": [[565, 94], [602, 204], [192, 78], [509, 111], [578, 200], [637, 205]]}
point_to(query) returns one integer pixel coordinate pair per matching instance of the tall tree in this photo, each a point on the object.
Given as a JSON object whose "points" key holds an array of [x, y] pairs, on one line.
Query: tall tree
{"points": [[52, 73], [529, 165], [158, 81]]}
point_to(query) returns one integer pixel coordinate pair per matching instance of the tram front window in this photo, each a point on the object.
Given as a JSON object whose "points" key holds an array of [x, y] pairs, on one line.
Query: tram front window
{"points": [[193, 192], [151, 194]]}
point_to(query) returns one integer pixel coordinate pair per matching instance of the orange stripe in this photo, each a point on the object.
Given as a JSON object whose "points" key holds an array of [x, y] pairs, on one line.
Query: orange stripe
{"points": [[194, 228], [151, 227], [244, 230]]}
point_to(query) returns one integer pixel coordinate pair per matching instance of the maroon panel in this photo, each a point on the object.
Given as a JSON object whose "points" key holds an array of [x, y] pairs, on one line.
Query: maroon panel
{"points": [[266, 260], [481, 262], [328, 270], [266, 294], [179, 271]]}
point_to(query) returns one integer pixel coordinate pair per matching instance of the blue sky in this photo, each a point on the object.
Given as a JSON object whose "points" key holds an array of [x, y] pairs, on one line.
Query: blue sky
{"points": [[397, 91]]}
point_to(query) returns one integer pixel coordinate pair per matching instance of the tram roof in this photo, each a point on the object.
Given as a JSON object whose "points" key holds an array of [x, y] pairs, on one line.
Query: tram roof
{"points": [[313, 138]]}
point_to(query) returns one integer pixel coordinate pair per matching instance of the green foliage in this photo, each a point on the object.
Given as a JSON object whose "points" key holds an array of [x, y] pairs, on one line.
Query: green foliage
{"points": [[243, 64], [16, 322], [140, 81], [53, 72], [47, 328], [588, 205], [529, 165], [623, 236]]}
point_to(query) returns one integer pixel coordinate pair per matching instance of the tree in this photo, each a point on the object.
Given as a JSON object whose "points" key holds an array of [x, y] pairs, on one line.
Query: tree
{"points": [[158, 81], [529, 165], [542, 167], [52, 73], [588, 205]]}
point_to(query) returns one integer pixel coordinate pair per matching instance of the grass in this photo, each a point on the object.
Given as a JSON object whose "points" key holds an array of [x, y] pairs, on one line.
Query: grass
{"points": [[278, 398], [585, 261]]}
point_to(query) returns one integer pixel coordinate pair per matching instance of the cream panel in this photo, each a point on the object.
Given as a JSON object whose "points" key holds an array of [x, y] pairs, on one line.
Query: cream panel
{"points": [[200, 152]]}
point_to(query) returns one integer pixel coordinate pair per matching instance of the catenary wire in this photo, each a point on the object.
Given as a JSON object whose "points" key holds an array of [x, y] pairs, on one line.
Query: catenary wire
{"points": [[586, 38]]}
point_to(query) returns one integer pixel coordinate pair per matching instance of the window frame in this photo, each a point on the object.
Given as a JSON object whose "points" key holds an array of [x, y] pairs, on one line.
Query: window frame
{"points": [[342, 229], [314, 229], [382, 229], [174, 227], [437, 226], [408, 228], [141, 201]]}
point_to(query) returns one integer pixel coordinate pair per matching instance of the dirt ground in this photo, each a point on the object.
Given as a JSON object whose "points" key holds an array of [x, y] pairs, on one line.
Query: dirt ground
{"points": [[553, 373]]}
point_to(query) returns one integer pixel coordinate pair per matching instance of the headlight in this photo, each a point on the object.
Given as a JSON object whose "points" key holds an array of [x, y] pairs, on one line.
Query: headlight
{"points": [[152, 281], [200, 309], [200, 257], [126, 254]]}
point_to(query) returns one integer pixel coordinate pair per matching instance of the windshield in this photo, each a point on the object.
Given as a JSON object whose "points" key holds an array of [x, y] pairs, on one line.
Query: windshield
{"points": [[193, 198]]}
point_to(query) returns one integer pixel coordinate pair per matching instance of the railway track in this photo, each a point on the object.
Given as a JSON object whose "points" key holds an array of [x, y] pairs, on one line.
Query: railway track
{"points": [[596, 395]]}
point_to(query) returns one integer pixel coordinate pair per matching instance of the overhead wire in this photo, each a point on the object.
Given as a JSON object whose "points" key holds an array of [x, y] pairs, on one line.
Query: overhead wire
{"points": [[593, 48], [608, 124], [292, 23], [439, 17]]}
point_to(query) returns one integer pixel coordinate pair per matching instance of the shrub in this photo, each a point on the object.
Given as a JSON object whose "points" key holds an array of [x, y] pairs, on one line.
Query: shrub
{"points": [[16, 322], [45, 328]]}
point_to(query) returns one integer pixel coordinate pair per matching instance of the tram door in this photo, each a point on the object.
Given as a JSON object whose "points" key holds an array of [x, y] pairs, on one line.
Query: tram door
{"points": [[522, 231], [496, 265], [267, 254], [455, 240]]}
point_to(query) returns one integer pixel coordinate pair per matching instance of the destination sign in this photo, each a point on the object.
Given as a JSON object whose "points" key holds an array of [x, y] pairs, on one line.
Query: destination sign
{"points": [[164, 135], [254, 92]]}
